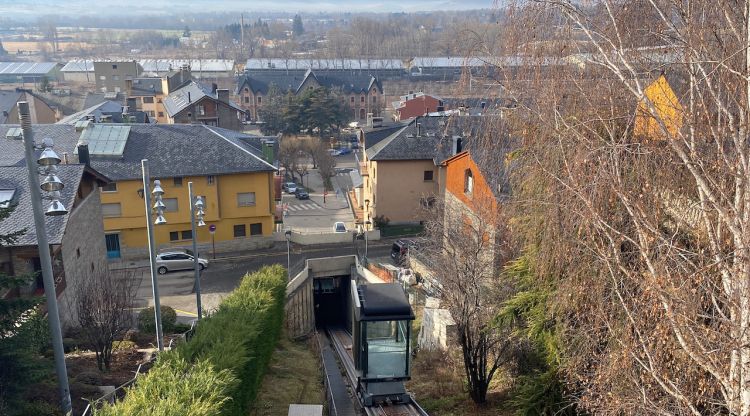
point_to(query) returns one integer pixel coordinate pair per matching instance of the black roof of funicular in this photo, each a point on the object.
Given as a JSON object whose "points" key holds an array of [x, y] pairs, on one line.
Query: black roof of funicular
{"points": [[383, 302]]}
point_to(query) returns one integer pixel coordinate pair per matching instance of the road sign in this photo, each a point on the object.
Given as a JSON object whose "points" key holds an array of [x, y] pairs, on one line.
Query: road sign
{"points": [[212, 228]]}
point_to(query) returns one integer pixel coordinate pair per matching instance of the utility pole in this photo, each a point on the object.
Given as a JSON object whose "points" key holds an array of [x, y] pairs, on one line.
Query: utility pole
{"points": [[53, 314], [242, 34]]}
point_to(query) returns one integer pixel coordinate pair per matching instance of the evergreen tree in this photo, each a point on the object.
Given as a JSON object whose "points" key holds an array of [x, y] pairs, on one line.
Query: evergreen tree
{"points": [[272, 111], [186, 32], [297, 28]]}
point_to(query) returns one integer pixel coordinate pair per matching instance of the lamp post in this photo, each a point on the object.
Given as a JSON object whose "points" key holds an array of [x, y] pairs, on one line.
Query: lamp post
{"points": [[367, 208], [196, 210], [288, 235], [367, 227], [48, 160], [159, 208]]}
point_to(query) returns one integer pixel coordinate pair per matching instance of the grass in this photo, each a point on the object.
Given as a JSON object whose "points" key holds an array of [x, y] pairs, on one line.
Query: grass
{"points": [[294, 377], [399, 230]]}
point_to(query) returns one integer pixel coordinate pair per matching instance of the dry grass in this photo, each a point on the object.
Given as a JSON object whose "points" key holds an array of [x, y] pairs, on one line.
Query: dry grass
{"points": [[294, 376]]}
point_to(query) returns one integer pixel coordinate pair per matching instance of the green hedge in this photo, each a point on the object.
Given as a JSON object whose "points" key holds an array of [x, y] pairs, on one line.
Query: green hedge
{"points": [[147, 320], [230, 351]]}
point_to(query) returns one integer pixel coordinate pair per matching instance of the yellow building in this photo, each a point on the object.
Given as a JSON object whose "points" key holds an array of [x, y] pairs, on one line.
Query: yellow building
{"points": [[667, 107], [227, 168]]}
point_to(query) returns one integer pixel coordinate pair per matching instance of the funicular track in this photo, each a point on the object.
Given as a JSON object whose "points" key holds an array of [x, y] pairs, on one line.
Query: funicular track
{"points": [[342, 344]]}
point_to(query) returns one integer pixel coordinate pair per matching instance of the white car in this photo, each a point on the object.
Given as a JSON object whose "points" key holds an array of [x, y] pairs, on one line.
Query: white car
{"points": [[177, 260], [290, 187], [334, 152], [339, 227]]}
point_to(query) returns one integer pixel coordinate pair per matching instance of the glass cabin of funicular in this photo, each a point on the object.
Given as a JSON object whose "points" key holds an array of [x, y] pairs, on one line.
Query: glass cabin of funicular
{"points": [[383, 332]]}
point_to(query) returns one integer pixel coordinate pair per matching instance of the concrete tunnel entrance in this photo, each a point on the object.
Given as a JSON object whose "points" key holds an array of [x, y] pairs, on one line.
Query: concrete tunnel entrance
{"points": [[332, 304]]}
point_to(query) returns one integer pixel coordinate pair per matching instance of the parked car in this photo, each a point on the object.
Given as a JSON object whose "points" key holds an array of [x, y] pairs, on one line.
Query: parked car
{"points": [[177, 260], [290, 187], [301, 194], [344, 151], [339, 227], [355, 145], [333, 152], [400, 251], [185, 250]]}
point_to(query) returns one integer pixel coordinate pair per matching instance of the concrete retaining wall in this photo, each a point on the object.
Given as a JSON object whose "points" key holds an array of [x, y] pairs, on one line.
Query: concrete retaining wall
{"points": [[326, 238]]}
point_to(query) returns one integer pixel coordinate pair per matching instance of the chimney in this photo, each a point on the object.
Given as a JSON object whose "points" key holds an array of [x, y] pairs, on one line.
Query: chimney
{"points": [[185, 74], [419, 126], [223, 95], [214, 87], [83, 154], [128, 87], [189, 100]]}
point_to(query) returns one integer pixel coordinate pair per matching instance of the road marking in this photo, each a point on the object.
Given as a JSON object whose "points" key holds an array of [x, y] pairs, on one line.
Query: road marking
{"points": [[186, 312]]}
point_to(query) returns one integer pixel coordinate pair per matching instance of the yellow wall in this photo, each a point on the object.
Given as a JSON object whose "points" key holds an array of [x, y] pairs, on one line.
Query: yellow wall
{"points": [[221, 208], [668, 109]]}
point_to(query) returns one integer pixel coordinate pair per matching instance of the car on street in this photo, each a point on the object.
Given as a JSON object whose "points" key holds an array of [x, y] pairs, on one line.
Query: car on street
{"points": [[301, 194], [333, 152], [344, 151], [177, 260], [290, 187], [339, 227], [400, 251]]}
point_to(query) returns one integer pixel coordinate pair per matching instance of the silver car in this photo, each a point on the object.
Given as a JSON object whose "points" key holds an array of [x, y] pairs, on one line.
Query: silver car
{"points": [[170, 261]]}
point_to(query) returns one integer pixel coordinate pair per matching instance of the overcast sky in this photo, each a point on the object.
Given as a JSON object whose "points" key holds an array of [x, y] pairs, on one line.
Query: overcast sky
{"points": [[34, 8]]}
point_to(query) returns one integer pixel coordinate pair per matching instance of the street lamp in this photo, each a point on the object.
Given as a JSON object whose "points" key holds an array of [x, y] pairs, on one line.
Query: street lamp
{"points": [[367, 207], [288, 235], [158, 207], [367, 226], [48, 162], [196, 211]]}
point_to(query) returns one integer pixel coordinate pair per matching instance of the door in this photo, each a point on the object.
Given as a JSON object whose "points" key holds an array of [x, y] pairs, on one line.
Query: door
{"points": [[113, 245], [183, 262]]}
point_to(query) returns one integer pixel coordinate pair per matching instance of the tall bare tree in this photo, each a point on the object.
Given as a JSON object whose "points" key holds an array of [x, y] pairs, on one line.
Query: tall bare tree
{"points": [[103, 303]]}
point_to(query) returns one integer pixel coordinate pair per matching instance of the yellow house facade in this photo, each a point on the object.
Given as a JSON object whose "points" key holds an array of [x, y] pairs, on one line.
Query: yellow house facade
{"points": [[225, 167], [667, 107]]}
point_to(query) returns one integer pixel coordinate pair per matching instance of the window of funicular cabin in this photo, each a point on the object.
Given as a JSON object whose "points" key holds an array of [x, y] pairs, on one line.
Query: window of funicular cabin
{"points": [[387, 348]]}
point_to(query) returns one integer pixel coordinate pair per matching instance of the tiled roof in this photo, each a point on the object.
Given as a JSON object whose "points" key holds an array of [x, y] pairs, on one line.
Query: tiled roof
{"points": [[373, 135], [261, 81], [23, 216], [94, 98], [8, 100], [406, 144], [172, 150], [78, 66], [335, 64], [147, 87], [188, 94]]}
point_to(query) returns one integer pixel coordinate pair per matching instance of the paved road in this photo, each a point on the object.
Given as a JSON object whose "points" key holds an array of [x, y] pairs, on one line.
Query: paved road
{"points": [[223, 274]]}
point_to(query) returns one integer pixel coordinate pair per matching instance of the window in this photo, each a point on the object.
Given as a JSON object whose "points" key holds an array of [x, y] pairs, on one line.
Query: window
{"points": [[174, 236], [111, 210], [78, 253], [256, 229], [246, 199], [148, 100], [171, 204], [351, 99], [110, 187], [260, 100], [177, 181], [468, 182], [362, 99], [247, 100], [239, 230], [247, 91], [161, 114], [114, 66], [428, 176], [200, 109], [187, 235], [374, 99], [210, 179], [115, 77]]}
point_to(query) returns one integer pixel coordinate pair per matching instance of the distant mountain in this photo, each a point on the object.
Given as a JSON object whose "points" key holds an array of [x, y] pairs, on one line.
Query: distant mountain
{"points": [[32, 9]]}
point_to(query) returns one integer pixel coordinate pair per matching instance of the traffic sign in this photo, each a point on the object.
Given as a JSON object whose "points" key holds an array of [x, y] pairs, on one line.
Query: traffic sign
{"points": [[212, 228]]}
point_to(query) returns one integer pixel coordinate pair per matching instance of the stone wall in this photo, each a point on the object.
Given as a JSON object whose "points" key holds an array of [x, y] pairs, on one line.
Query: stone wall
{"points": [[83, 251]]}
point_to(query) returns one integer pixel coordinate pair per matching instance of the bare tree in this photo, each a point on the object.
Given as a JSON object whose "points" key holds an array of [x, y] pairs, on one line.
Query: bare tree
{"points": [[103, 302], [465, 251], [657, 298]]}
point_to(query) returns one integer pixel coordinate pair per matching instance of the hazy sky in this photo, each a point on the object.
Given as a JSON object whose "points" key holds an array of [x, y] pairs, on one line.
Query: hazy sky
{"points": [[34, 8]]}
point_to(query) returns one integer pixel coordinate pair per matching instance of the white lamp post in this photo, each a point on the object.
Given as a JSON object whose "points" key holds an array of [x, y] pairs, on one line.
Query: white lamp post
{"points": [[48, 161], [196, 212], [288, 235], [159, 206]]}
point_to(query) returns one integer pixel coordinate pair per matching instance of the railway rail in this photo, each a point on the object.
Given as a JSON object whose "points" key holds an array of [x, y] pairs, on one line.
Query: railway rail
{"points": [[342, 343]]}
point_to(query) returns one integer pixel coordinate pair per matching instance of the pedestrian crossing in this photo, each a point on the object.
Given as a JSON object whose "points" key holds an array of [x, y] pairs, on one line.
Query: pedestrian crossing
{"points": [[302, 207]]}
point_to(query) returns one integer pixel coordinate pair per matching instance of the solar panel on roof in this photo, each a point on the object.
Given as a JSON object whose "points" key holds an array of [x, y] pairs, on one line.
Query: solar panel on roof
{"points": [[105, 140], [14, 133]]}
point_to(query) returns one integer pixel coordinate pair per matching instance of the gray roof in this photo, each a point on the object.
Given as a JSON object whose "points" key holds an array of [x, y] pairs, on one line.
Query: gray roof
{"points": [[172, 149], [8, 100], [146, 87], [26, 68], [16, 177], [196, 65], [94, 98], [105, 108], [337, 64], [374, 135], [78, 66], [348, 82], [190, 93]]}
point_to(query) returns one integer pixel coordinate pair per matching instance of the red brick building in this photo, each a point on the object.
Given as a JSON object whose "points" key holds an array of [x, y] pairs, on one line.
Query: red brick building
{"points": [[417, 105]]}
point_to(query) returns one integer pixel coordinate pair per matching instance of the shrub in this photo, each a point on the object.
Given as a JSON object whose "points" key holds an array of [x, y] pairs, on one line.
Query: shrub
{"points": [[180, 328], [381, 221], [226, 358], [147, 322]]}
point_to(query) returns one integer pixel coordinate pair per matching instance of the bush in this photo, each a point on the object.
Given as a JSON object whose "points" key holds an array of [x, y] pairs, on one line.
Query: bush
{"points": [[180, 328], [147, 322], [225, 359], [381, 221]]}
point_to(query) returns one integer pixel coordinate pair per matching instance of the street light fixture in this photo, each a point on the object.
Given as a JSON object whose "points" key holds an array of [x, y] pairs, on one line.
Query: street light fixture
{"points": [[196, 212], [288, 235], [48, 160], [158, 206]]}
